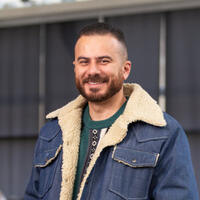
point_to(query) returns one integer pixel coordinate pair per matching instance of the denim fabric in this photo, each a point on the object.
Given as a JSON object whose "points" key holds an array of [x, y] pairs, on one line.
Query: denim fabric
{"points": [[151, 163], [46, 171]]}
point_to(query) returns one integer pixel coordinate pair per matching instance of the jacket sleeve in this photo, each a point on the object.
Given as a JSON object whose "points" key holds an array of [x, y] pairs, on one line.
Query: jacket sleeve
{"points": [[46, 162], [30, 193], [174, 178]]}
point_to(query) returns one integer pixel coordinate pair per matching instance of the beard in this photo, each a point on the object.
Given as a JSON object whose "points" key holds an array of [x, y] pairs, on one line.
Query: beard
{"points": [[114, 86]]}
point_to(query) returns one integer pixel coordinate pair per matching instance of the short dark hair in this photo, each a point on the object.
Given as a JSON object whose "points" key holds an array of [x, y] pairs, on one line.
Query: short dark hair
{"points": [[102, 29]]}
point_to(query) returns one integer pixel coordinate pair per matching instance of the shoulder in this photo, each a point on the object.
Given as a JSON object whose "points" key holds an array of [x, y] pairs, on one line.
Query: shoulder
{"points": [[50, 129], [174, 129], [49, 144], [49, 139], [171, 133], [172, 123]]}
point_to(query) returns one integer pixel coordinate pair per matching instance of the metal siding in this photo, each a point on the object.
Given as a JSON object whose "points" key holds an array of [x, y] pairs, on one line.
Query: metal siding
{"points": [[183, 61], [19, 81], [142, 36], [16, 160], [194, 140], [5, 167]]}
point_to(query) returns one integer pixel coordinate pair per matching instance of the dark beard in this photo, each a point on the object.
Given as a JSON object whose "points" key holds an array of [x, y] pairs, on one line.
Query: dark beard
{"points": [[114, 87]]}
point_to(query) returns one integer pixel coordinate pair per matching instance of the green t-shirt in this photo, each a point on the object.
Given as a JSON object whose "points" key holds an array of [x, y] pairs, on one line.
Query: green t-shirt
{"points": [[91, 133]]}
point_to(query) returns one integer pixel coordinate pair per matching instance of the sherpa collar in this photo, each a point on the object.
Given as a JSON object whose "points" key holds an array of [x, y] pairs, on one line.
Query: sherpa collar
{"points": [[140, 107]]}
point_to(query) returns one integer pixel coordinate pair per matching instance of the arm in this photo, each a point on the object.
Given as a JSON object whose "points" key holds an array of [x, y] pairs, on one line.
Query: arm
{"points": [[30, 193], [174, 176], [46, 174]]}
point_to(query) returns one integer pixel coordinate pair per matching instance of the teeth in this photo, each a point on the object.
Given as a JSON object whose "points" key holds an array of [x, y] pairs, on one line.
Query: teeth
{"points": [[93, 83]]}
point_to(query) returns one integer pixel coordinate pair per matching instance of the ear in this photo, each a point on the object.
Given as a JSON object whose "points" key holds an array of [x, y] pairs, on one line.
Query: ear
{"points": [[74, 64], [126, 69]]}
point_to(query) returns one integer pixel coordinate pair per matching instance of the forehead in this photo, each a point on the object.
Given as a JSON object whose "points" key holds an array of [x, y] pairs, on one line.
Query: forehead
{"points": [[97, 44]]}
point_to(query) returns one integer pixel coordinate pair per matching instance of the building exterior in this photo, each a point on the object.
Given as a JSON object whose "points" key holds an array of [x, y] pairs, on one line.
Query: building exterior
{"points": [[36, 71]]}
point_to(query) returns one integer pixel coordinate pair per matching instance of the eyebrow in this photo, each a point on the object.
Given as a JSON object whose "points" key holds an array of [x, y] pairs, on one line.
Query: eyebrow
{"points": [[102, 57], [82, 57], [98, 58]]}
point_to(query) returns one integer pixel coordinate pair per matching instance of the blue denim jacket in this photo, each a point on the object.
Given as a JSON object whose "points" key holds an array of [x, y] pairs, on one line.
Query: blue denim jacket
{"points": [[150, 163]]}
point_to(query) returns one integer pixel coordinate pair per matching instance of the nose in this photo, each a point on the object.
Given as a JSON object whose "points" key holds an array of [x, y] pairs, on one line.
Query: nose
{"points": [[93, 68]]}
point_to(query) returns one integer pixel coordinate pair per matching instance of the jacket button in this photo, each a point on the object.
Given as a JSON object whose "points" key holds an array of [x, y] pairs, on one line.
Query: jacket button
{"points": [[91, 155], [94, 143], [94, 131]]}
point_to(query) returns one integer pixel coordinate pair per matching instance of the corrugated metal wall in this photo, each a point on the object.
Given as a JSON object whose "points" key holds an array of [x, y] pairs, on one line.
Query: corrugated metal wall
{"points": [[21, 81], [19, 53]]}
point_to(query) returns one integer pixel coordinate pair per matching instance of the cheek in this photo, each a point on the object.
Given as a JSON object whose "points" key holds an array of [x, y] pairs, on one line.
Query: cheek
{"points": [[78, 73], [122, 74]]}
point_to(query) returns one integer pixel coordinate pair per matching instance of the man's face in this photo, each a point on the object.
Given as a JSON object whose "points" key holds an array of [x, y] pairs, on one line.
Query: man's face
{"points": [[100, 67]]}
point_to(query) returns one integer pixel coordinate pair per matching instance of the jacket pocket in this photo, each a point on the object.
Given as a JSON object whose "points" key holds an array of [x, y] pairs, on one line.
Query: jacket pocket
{"points": [[45, 164], [132, 172]]}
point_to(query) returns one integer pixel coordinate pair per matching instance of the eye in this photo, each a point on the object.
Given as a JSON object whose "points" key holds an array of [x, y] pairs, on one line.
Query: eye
{"points": [[83, 62], [104, 61]]}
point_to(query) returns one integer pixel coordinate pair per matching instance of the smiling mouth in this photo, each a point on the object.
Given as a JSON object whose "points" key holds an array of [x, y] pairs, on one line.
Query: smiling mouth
{"points": [[95, 80], [95, 83]]}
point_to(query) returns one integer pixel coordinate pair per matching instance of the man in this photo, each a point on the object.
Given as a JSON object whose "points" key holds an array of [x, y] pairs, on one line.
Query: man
{"points": [[112, 142]]}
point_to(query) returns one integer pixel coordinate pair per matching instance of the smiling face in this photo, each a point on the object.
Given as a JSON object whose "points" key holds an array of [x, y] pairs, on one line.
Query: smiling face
{"points": [[100, 66]]}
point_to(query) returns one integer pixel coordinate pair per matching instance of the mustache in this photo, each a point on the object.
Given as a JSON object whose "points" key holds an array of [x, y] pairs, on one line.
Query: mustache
{"points": [[96, 78]]}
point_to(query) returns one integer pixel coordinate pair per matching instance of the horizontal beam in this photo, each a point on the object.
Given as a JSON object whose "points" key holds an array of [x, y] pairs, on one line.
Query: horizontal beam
{"points": [[88, 9]]}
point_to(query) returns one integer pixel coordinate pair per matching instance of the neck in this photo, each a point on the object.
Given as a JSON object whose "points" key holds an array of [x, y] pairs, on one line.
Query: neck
{"points": [[103, 110]]}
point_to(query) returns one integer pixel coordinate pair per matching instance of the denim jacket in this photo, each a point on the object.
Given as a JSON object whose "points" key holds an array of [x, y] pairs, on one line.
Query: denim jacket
{"points": [[144, 156]]}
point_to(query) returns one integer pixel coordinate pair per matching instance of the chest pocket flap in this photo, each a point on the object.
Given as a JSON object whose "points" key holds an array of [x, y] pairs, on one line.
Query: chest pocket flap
{"points": [[135, 158], [45, 158]]}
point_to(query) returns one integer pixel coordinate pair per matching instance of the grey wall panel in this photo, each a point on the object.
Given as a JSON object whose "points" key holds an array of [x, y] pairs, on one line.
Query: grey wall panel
{"points": [[194, 140], [22, 157], [183, 67], [142, 36], [5, 83], [18, 80], [5, 167], [60, 84], [15, 168]]}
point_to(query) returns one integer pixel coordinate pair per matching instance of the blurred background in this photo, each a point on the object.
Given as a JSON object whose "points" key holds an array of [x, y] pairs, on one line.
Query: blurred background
{"points": [[36, 71]]}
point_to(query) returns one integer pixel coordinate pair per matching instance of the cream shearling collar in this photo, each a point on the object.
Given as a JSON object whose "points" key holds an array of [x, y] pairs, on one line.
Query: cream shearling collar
{"points": [[140, 107]]}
